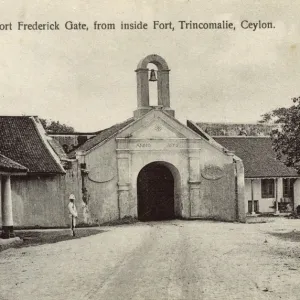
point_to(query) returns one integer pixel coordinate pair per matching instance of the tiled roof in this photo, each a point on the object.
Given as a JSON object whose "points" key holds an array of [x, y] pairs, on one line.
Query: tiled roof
{"points": [[258, 156], [58, 149], [21, 141], [100, 137], [8, 165], [237, 129]]}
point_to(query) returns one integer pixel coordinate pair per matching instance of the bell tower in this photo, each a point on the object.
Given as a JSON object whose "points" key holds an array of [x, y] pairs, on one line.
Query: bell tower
{"points": [[163, 90]]}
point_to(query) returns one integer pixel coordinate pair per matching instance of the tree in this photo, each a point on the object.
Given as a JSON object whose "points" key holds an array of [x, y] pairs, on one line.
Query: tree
{"points": [[286, 138], [56, 126], [274, 115]]}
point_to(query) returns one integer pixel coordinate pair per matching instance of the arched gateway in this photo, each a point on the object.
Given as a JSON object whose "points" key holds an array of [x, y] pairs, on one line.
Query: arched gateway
{"points": [[155, 193]]}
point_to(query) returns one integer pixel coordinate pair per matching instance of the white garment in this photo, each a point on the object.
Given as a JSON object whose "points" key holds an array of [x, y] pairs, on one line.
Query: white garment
{"points": [[72, 209], [73, 215]]}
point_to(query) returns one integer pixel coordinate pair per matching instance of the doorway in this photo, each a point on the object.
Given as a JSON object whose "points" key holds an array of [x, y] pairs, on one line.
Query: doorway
{"points": [[155, 191]]}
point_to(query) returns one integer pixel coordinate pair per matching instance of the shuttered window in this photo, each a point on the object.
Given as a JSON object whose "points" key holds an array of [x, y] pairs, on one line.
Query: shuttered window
{"points": [[288, 184], [267, 188]]}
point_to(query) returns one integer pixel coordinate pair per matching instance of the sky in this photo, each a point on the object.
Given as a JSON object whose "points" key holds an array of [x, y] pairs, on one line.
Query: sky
{"points": [[86, 79]]}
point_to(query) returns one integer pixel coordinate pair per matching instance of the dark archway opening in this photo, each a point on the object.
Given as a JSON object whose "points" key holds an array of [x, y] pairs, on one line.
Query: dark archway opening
{"points": [[155, 191]]}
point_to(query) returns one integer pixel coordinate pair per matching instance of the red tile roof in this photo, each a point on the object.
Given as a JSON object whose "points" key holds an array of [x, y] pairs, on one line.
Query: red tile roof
{"points": [[21, 141], [258, 156], [8, 165]]}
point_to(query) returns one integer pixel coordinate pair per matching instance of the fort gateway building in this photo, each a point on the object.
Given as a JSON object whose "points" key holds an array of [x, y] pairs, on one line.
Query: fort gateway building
{"points": [[153, 167]]}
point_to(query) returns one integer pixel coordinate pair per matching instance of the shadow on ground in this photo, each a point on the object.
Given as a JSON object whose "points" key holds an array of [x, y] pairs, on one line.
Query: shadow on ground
{"points": [[293, 236], [34, 238]]}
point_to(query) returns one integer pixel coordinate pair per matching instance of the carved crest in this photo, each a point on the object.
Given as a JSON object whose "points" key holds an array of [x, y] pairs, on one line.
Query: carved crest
{"points": [[212, 172], [100, 174]]}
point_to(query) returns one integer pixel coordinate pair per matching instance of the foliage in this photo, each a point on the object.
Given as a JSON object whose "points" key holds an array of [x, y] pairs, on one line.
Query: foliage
{"points": [[274, 116], [286, 139], [56, 126]]}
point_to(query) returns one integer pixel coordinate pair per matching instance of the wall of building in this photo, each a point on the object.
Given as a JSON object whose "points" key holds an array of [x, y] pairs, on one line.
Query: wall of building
{"points": [[265, 204], [217, 197], [38, 201], [296, 193], [72, 181], [217, 194], [240, 189], [101, 182]]}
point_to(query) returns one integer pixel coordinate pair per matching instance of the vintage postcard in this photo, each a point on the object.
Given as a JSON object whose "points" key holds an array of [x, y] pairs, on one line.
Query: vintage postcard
{"points": [[149, 150]]}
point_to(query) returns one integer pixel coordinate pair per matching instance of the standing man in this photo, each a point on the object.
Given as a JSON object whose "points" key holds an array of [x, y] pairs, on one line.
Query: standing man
{"points": [[72, 213]]}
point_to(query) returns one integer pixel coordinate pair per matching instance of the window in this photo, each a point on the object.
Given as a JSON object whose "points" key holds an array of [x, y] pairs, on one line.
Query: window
{"points": [[267, 188], [255, 206], [288, 187]]}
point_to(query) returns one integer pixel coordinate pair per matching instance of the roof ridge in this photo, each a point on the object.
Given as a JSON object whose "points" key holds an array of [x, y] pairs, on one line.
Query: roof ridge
{"points": [[94, 138], [131, 118], [237, 123], [100, 132], [46, 144]]}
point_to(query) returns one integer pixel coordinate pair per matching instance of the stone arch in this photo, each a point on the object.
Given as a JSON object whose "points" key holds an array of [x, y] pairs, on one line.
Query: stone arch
{"points": [[163, 90], [154, 59], [158, 191]]}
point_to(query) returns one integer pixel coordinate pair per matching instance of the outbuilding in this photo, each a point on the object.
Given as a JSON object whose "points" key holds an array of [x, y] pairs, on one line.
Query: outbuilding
{"points": [[270, 186], [37, 198]]}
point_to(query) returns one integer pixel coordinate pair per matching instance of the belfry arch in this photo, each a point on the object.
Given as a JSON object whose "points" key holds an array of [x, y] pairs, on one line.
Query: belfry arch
{"points": [[163, 86]]}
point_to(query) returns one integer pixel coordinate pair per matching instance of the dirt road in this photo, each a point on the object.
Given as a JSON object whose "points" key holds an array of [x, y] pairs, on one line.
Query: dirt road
{"points": [[163, 260]]}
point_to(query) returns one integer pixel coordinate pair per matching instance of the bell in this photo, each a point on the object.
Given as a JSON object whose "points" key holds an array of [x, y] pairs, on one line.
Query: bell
{"points": [[152, 76]]}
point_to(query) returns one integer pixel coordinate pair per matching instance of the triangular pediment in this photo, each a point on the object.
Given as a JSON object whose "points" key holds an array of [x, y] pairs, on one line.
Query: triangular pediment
{"points": [[157, 129], [157, 125]]}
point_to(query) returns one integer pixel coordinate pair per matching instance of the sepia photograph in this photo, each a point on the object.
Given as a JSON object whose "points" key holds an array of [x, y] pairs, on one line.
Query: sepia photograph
{"points": [[150, 150]]}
